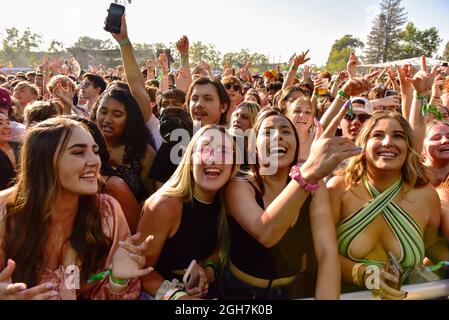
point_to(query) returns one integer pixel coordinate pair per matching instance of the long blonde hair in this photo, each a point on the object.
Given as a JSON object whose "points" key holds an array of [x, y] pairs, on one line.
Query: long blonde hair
{"points": [[413, 173], [181, 183]]}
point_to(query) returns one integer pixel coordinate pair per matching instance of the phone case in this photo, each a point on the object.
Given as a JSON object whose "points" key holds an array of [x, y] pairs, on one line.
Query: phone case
{"points": [[191, 278], [114, 19]]}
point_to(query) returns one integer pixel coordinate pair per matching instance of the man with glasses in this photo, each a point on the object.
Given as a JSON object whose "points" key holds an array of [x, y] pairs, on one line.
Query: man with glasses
{"points": [[234, 88], [91, 88], [351, 125]]}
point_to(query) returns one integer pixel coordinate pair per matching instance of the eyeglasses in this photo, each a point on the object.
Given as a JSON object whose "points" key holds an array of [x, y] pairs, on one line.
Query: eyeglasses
{"points": [[85, 85], [363, 117], [234, 87]]}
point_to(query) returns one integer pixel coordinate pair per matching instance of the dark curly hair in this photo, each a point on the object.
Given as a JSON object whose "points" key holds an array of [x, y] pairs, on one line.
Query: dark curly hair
{"points": [[136, 135]]}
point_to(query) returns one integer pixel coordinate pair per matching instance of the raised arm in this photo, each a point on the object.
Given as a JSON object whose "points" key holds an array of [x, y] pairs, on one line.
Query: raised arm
{"points": [[406, 90], [184, 78], [270, 225], [297, 61], [132, 71], [353, 87], [422, 82]]}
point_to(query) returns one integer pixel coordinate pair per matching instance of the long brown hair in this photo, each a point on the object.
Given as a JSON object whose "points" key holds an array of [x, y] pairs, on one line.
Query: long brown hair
{"points": [[29, 214], [255, 168]]}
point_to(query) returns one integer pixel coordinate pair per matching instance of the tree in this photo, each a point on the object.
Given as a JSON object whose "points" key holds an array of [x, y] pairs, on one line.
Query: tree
{"points": [[446, 52], [383, 39], [18, 48], [245, 56], [415, 43], [339, 55], [200, 52], [56, 47], [89, 43]]}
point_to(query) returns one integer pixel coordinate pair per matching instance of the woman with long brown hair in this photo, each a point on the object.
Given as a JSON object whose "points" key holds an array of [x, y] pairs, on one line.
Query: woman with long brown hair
{"points": [[57, 236], [282, 238]]}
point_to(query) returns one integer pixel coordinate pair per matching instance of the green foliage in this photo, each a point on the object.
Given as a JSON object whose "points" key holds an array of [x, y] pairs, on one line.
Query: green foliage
{"points": [[415, 43], [383, 40], [340, 51], [245, 56], [200, 52], [89, 43], [18, 49]]}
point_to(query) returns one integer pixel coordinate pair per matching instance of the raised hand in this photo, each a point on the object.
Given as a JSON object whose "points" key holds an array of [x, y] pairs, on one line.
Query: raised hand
{"points": [[183, 46], [327, 151], [306, 73], [163, 60], [423, 80], [64, 94], [342, 76], [404, 72], [300, 59], [391, 73], [19, 291], [129, 260], [438, 85], [150, 64], [123, 35], [356, 86], [352, 65]]}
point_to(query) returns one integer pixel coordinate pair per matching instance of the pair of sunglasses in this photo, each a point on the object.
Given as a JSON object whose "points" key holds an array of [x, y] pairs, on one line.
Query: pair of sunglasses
{"points": [[363, 117]]}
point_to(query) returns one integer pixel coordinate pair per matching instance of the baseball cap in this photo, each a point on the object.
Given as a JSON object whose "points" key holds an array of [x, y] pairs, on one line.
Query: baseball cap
{"points": [[368, 106]]}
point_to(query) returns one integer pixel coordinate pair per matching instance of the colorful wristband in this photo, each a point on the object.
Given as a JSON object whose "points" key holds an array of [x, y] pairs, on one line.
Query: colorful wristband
{"points": [[343, 95], [295, 174], [124, 42], [117, 281]]}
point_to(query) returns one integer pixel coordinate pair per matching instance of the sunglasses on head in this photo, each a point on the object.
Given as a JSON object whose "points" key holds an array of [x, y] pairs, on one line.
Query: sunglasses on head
{"points": [[363, 117], [234, 87]]}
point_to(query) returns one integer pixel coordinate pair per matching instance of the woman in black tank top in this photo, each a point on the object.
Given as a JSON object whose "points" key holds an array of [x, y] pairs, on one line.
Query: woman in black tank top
{"points": [[186, 213], [282, 237]]}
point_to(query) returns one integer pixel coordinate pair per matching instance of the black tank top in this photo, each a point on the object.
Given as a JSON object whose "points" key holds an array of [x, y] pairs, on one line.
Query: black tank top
{"points": [[281, 261], [196, 238]]}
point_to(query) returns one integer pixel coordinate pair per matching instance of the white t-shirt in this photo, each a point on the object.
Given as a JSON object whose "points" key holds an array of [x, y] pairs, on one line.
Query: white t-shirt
{"points": [[153, 126], [17, 131]]}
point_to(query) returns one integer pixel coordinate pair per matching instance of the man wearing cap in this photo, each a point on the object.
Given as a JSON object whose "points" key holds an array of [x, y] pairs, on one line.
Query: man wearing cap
{"points": [[270, 76], [17, 129], [351, 125]]}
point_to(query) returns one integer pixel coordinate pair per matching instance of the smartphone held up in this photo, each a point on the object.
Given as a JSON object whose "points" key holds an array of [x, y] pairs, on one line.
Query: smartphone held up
{"points": [[114, 19]]}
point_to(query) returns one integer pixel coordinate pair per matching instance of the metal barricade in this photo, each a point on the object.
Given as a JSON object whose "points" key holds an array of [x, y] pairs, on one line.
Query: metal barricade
{"points": [[423, 291]]}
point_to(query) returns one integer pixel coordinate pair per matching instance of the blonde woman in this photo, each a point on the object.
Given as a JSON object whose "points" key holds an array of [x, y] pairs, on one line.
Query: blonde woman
{"points": [[184, 215], [384, 204]]}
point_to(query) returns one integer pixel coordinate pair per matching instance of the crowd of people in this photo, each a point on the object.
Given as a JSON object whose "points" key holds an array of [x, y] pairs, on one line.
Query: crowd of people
{"points": [[288, 186]]}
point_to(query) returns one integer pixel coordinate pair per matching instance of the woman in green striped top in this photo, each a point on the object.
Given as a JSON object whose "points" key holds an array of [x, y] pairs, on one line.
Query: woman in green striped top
{"points": [[384, 206]]}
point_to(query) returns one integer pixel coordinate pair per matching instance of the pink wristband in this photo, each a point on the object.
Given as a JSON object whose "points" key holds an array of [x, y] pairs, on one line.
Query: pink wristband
{"points": [[295, 174]]}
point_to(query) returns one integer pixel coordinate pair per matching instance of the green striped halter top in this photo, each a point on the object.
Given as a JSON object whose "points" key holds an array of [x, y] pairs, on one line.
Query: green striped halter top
{"points": [[407, 231]]}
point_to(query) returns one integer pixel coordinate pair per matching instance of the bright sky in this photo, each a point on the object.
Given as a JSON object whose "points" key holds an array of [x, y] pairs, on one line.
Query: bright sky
{"points": [[276, 28]]}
